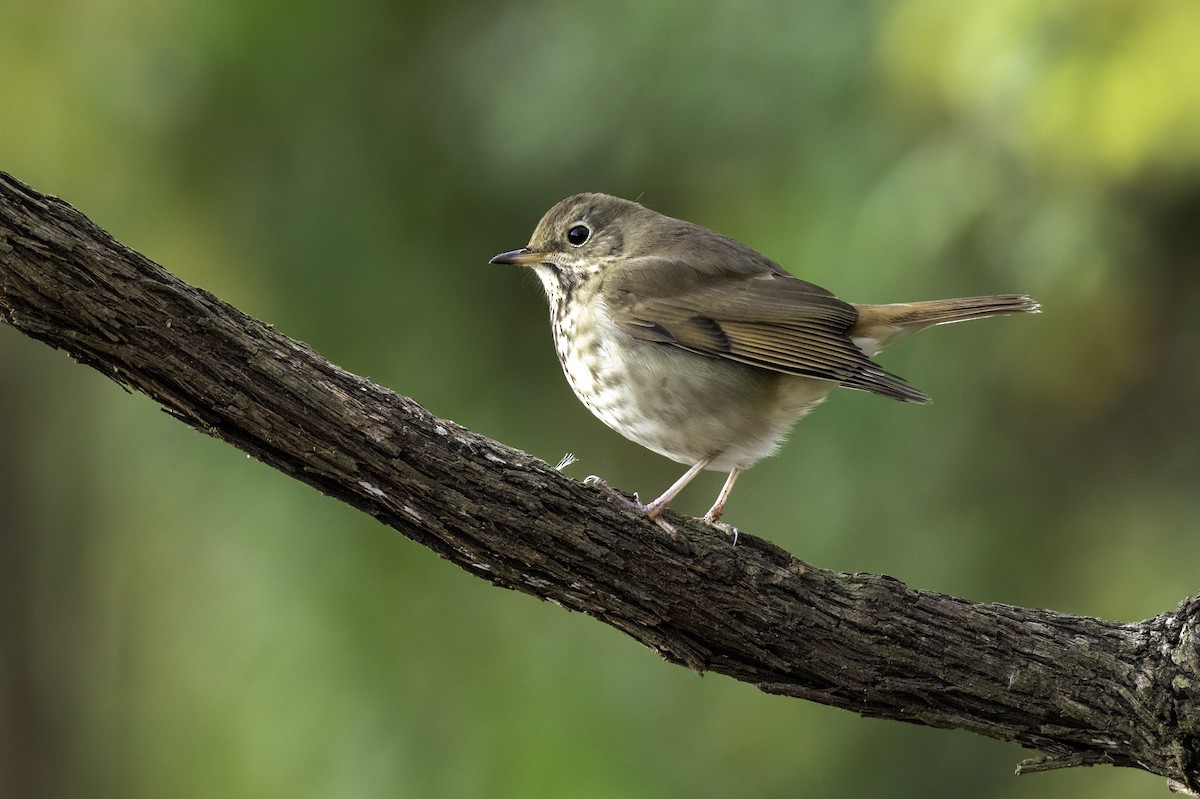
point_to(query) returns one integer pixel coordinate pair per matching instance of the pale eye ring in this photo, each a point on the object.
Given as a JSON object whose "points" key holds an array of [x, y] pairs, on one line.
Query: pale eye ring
{"points": [[578, 235]]}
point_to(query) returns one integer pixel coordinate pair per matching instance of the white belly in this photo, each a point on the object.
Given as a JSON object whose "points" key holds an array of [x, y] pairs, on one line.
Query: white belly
{"points": [[681, 405]]}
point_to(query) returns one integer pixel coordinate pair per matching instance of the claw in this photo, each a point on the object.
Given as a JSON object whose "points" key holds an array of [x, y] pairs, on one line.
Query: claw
{"points": [[635, 505], [614, 494], [727, 529]]}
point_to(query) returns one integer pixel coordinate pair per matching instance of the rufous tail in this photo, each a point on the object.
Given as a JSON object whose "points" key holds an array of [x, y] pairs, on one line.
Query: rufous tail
{"points": [[880, 325]]}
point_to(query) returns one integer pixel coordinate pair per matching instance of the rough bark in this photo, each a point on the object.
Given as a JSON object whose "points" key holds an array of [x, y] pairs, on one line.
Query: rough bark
{"points": [[1078, 690]]}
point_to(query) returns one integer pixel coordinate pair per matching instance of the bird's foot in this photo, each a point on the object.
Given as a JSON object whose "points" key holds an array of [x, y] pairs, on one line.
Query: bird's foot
{"points": [[727, 529], [651, 511]]}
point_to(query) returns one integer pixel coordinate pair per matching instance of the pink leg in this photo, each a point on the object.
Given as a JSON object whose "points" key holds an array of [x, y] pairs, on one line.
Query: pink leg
{"points": [[714, 514], [656, 507]]}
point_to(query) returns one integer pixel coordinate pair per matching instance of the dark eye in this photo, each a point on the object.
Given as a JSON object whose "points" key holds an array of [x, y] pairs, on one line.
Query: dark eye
{"points": [[578, 235]]}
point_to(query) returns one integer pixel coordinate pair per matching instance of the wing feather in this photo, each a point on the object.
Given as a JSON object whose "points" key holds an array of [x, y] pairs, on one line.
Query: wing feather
{"points": [[762, 317]]}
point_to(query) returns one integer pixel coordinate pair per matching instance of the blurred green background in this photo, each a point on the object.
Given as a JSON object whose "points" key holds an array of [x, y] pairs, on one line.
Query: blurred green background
{"points": [[179, 620]]}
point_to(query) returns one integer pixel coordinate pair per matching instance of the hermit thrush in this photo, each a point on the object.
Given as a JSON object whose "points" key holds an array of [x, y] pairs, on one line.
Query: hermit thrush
{"points": [[697, 347]]}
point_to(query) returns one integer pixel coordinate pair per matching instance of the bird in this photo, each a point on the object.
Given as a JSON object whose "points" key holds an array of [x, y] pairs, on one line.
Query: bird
{"points": [[700, 349]]}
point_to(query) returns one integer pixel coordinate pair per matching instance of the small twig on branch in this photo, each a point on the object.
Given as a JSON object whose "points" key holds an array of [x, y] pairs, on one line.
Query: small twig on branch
{"points": [[1078, 690]]}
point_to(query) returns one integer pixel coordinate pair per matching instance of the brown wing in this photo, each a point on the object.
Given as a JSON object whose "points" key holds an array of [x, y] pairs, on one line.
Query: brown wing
{"points": [[767, 319]]}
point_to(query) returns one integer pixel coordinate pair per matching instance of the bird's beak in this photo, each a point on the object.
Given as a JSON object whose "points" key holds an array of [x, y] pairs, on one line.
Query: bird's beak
{"points": [[521, 257]]}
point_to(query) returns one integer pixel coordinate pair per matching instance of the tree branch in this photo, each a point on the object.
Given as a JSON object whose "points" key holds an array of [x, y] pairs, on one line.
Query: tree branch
{"points": [[1079, 690]]}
